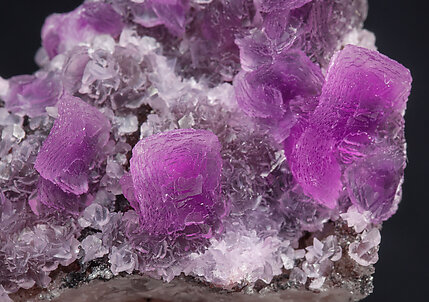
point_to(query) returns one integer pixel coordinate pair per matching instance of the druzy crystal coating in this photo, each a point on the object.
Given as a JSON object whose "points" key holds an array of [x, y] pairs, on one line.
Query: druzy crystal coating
{"points": [[176, 182], [228, 140]]}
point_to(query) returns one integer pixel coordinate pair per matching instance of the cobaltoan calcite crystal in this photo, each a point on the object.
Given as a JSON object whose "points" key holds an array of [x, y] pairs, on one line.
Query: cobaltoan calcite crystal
{"points": [[256, 146]]}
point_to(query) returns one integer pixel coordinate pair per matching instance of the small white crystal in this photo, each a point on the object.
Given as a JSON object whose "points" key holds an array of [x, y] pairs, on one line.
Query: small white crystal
{"points": [[122, 260], [4, 87], [104, 42], [52, 111], [127, 125], [113, 169], [95, 216], [359, 221], [18, 132], [93, 247], [187, 121], [298, 275], [240, 256], [317, 283], [365, 250], [290, 255], [360, 37], [5, 172]]}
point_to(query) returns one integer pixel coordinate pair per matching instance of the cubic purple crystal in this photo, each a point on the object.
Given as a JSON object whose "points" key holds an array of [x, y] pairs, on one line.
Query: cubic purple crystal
{"points": [[176, 180], [76, 139], [363, 97]]}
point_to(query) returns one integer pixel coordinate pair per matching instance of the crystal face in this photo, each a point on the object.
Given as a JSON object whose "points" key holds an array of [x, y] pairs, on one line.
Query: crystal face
{"points": [[245, 144], [176, 182], [75, 140], [364, 92]]}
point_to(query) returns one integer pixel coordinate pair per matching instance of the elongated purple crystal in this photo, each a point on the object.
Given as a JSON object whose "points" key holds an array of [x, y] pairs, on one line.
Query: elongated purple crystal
{"points": [[176, 180], [364, 93], [75, 140]]}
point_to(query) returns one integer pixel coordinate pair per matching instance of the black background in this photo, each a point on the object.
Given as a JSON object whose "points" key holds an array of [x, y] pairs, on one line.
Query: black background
{"points": [[401, 27]]}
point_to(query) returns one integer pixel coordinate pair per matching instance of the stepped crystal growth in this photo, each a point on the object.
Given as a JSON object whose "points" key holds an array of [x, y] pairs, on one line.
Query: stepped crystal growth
{"points": [[229, 140]]}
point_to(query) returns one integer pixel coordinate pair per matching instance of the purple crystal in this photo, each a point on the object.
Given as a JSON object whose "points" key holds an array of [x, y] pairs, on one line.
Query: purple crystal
{"points": [[63, 31], [280, 92], [31, 94], [270, 5], [176, 179], [364, 92], [315, 27], [51, 195], [76, 139], [150, 13]]}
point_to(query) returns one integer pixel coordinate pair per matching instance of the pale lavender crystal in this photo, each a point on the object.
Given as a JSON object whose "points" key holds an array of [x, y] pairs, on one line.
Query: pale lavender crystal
{"points": [[150, 13], [211, 35], [63, 31], [315, 27], [270, 5], [176, 181], [31, 94], [364, 93], [74, 142]]}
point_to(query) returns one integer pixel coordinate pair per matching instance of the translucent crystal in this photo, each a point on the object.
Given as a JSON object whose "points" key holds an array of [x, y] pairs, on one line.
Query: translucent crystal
{"points": [[74, 142], [176, 179], [93, 247], [363, 92], [365, 250], [63, 31], [31, 94]]}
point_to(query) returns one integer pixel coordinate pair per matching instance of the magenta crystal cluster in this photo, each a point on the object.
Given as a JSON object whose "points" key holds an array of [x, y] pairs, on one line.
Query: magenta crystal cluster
{"points": [[228, 140]]}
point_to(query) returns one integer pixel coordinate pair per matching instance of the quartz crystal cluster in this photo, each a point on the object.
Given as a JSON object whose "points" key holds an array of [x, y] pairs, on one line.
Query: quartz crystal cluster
{"points": [[237, 142]]}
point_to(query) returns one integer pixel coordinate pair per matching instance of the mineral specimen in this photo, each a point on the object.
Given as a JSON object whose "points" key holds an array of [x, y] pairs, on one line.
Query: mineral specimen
{"points": [[253, 146]]}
